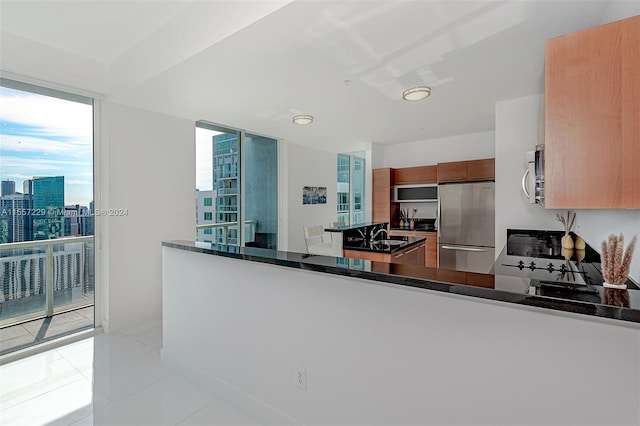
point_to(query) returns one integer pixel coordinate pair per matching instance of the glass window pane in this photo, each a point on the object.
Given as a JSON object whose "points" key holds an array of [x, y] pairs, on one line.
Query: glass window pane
{"points": [[217, 182], [260, 191], [350, 196]]}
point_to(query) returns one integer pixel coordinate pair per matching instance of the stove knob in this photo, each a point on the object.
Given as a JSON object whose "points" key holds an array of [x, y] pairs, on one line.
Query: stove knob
{"points": [[521, 265], [563, 268], [550, 267], [532, 266]]}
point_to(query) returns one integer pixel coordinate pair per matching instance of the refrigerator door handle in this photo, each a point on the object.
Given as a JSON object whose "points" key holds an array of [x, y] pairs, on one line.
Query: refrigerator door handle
{"points": [[465, 248]]}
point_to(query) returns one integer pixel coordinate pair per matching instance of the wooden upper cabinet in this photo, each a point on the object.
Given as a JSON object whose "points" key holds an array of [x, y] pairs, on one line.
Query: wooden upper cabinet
{"points": [[455, 171], [481, 170], [383, 209], [416, 175], [467, 171], [592, 118]]}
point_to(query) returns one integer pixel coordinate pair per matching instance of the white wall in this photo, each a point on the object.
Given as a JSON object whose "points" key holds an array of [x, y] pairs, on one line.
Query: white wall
{"points": [[150, 171], [595, 226], [517, 131], [620, 9], [472, 146], [308, 167], [382, 354]]}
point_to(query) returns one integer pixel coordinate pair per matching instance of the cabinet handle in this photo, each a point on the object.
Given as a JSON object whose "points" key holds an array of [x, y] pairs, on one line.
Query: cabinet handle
{"points": [[399, 255], [480, 177], [455, 178], [412, 250]]}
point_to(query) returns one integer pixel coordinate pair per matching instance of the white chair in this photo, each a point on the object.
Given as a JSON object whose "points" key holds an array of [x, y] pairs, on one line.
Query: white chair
{"points": [[313, 237], [331, 234]]}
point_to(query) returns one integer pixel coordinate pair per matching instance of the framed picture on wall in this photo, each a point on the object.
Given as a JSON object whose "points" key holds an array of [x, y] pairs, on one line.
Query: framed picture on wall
{"points": [[314, 195]]}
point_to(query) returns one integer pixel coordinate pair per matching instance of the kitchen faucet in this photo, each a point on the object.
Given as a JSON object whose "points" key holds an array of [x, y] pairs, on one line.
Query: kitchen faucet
{"points": [[373, 234]]}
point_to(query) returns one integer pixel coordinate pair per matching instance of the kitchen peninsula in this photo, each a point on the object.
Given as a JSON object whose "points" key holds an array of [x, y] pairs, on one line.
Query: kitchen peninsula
{"points": [[430, 336], [502, 286]]}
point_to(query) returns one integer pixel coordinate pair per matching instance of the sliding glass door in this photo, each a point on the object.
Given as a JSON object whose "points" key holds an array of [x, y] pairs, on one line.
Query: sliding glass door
{"points": [[47, 259]]}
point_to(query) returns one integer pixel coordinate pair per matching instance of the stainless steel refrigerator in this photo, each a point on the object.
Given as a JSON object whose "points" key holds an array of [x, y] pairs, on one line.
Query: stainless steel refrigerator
{"points": [[466, 226]]}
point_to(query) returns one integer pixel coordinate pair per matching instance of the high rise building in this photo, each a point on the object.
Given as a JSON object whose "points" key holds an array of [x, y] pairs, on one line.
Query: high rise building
{"points": [[205, 214], [78, 221], [48, 207], [27, 186], [226, 148], [8, 188], [17, 221]]}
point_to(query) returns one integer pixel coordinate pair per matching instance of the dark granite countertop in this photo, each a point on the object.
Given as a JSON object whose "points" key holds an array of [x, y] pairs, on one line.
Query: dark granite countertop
{"points": [[382, 246], [354, 226], [498, 287]]}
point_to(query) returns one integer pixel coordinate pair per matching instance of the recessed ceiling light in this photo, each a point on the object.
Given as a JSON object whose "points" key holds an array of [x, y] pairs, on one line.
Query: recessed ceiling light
{"points": [[416, 93], [303, 119]]}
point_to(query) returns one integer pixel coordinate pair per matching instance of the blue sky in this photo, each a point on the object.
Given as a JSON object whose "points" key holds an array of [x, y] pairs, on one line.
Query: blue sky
{"points": [[46, 136]]}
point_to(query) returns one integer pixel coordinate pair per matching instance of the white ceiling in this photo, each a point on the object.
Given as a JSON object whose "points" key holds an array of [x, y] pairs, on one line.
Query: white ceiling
{"points": [[254, 64]]}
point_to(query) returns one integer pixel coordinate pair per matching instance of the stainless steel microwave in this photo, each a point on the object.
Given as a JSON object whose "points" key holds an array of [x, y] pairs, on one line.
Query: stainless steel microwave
{"points": [[533, 178], [421, 193]]}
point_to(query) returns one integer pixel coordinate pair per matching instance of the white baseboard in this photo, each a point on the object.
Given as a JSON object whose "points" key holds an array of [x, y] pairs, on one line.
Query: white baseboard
{"points": [[261, 411]]}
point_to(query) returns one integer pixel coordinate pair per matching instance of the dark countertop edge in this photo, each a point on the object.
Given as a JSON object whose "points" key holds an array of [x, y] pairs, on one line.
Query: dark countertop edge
{"points": [[435, 231], [414, 241], [320, 264]]}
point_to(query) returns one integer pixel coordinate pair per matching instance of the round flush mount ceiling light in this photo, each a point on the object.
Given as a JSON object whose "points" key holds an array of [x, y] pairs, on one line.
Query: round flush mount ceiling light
{"points": [[417, 93], [303, 119]]}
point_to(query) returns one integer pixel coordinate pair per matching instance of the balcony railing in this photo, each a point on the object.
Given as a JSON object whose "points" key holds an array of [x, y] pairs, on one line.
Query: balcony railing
{"points": [[223, 236], [41, 278], [227, 191], [227, 209]]}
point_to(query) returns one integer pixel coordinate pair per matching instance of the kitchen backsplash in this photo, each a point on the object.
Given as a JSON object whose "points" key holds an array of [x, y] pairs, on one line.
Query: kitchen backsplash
{"points": [[424, 210]]}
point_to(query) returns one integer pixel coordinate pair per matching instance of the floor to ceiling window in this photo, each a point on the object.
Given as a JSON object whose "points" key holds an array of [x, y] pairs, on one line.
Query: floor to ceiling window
{"points": [[236, 183], [47, 260], [350, 197]]}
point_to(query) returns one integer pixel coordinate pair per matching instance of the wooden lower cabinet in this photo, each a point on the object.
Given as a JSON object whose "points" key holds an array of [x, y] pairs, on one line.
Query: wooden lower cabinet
{"points": [[413, 255], [431, 244], [367, 255], [408, 263]]}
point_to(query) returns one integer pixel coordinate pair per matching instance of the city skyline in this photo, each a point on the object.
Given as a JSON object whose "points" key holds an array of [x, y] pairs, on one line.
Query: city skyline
{"points": [[42, 136]]}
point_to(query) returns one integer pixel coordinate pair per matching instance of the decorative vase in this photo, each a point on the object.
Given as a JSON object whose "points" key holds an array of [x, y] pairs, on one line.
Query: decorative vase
{"points": [[412, 224], [401, 223], [406, 224], [567, 241]]}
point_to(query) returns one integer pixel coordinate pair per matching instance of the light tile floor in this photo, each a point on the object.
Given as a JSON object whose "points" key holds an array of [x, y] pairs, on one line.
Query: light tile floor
{"points": [[114, 379]]}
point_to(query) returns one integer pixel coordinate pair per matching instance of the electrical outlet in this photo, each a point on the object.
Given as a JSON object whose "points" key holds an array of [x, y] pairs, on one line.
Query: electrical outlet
{"points": [[301, 378]]}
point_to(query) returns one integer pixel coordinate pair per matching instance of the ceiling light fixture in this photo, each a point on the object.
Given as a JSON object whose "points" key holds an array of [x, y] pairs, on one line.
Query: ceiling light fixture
{"points": [[416, 93], [303, 119]]}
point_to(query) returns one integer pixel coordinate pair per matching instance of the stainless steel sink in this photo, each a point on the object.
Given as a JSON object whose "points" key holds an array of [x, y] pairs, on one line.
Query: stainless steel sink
{"points": [[390, 242]]}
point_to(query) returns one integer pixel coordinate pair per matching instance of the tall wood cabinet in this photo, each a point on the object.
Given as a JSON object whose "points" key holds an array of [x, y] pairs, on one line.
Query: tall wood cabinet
{"points": [[592, 118], [383, 209]]}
